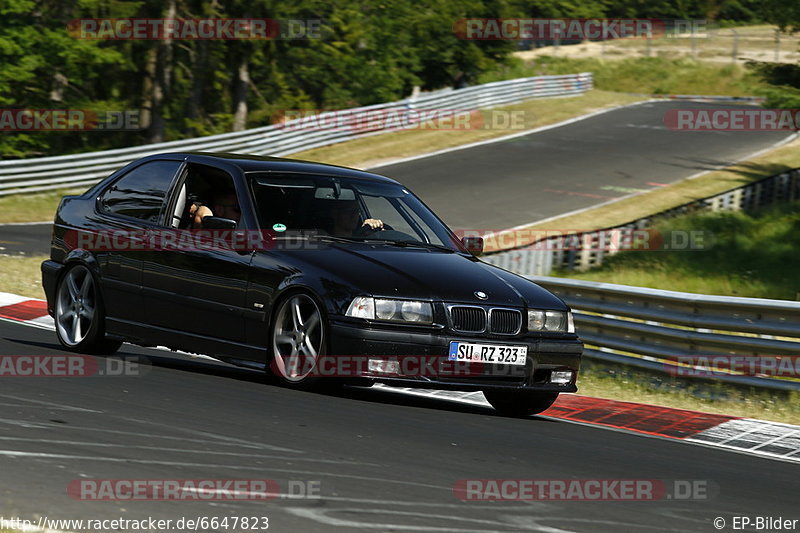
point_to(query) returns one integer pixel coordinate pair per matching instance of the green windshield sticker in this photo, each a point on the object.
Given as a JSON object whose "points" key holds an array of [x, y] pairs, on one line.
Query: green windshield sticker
{"points": [[279, 227]]}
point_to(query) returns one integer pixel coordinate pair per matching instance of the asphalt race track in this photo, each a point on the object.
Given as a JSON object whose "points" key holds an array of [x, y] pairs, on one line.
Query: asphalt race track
{"points": [[528, 178], [380, 461], [25, 239]]}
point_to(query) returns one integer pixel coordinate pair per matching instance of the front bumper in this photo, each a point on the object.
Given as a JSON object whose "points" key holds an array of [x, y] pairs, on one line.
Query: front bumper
{"points": [[545, 355]]}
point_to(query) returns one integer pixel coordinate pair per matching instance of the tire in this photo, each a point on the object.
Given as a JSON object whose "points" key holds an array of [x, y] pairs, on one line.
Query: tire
{"points": [[520, 403], [298, 338], [80, 314]]}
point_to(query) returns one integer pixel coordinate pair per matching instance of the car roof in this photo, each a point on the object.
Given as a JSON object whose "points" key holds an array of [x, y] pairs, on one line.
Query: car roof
{"points": [[255, 163]]}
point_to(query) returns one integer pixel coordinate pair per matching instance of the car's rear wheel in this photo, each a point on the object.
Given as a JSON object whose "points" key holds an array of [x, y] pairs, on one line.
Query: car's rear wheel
{"points": [[80, 314], [299, 337], [520, 403]]}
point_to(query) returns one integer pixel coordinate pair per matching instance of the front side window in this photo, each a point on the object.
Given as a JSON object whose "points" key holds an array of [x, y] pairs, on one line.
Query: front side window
{"points": [[347, 208], [141, 192]]}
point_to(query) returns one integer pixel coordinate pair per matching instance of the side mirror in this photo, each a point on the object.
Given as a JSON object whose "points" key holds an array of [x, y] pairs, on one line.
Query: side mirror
{"points": [[218, 223], [474, 245]]}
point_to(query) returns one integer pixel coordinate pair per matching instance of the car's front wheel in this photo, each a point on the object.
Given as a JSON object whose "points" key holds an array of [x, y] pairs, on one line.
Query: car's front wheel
{"points": [[80, 314], [519, 403], [299, 337]]}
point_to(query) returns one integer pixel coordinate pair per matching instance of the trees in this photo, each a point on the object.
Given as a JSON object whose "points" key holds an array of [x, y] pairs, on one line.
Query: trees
{"points": [[44, 68], [784, 78], [783, 13], [369, 51]]}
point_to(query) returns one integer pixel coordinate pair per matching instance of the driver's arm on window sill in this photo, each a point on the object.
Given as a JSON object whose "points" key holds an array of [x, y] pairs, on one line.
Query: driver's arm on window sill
{"points": [[197, 212]]}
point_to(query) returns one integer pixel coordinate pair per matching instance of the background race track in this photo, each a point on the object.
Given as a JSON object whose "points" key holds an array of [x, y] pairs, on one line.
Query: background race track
{"points": [[585, 163], [504, 184]]}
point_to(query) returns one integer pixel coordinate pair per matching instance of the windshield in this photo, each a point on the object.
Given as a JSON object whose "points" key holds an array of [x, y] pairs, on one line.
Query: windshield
{"points": [[348, 209]]}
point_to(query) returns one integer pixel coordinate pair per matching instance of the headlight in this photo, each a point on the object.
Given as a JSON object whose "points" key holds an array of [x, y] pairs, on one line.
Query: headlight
{"points": [[550, 321], [362, 307], [385, 309]]}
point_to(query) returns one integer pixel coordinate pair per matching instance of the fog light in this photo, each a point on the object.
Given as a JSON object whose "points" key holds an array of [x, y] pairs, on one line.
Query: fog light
{"points": [[561, 377], [383, 366]]}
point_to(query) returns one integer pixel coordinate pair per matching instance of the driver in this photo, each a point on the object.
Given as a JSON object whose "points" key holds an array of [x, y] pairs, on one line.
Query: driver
{"points": [[224, 205], [345, 215]]}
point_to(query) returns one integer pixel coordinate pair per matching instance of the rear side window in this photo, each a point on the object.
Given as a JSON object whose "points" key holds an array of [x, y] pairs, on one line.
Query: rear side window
{"points": [[141, 192]]}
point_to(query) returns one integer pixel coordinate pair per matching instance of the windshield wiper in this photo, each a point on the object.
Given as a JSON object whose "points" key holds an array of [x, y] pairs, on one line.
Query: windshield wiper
{"points": [[401, 244], [334, 238], [409, 244]]}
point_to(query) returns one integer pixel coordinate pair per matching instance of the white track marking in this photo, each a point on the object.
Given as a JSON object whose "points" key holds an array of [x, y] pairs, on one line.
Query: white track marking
{"points": [[187, 450], [755, 435], [93, 458], [216, 436], [322, 516], [49, 404], [771, 433], [7, 298], [615, 200], [513, 135], [63, 427]]}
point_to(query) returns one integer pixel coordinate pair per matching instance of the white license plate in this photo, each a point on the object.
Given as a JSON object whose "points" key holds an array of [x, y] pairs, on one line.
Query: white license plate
{"points": [[500, 354]]}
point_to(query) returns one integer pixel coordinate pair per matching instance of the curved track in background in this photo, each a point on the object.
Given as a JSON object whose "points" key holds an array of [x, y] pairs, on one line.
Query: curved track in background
{"points": [[499, 185], [521, 180]]}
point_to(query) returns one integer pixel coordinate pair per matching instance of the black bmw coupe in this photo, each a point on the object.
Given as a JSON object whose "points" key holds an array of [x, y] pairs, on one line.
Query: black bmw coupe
{"points": [[314, 273]]}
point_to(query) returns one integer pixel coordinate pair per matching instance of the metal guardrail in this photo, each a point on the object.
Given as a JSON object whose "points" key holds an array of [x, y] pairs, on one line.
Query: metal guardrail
{"points": [[662, 330], [588, 249], [47, 173]]}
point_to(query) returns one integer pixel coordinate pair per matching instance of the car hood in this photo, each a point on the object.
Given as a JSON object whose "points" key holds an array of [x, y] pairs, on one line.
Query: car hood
{"points": [[384, 270]]}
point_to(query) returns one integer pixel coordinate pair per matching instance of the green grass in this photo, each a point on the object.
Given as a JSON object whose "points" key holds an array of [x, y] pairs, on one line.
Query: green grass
{"points": [[643, 75], [22, 275], [755, 255], [36, 207], [617, 382]]}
